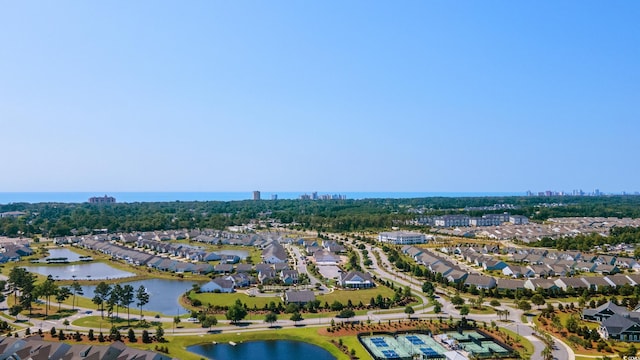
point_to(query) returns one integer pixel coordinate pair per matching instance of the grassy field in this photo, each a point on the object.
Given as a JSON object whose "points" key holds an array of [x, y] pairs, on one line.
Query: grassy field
{"points": [[342, 296], [222, 299], [96, 322], [528, 346]]}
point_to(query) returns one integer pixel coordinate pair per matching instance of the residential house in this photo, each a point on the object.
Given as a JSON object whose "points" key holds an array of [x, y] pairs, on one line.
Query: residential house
{"points": [[493, 265], [300, 297], [510, 284], [223, 268], [456, 276], [324, 257], [620, 328], [480, 281], [596, 283], [516, 271], [546, 284], [356, 279], [606, 269], [565, 283], [274, 253], [605, 311], [218, 284], [289, 277]]}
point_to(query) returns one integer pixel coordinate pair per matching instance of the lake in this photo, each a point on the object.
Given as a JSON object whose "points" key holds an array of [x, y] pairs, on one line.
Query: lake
{"points": [[62, 253], [92, 271], [263, 350], [163, 294]]}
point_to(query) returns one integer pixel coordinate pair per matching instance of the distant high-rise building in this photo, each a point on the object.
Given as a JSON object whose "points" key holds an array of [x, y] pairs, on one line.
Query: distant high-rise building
{"points": [[256, 195], [274, 196], [102, 200], [314, 195]]}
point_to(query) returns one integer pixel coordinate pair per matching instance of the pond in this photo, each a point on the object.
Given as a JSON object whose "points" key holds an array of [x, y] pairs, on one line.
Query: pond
{"points": [[91, 271], [263, 350], [62, 253], [242, 254], [163, 294]]}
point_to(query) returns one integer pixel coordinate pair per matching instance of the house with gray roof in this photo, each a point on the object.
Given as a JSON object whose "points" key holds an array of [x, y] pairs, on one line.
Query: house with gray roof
{"points": [[218, 284], [300, 297], [480, 281], [356, 279], [324, 257], [618, 327], [33, 347], [510, 284], [274, 253], [456, 276], [565, 283], [596, 283]]}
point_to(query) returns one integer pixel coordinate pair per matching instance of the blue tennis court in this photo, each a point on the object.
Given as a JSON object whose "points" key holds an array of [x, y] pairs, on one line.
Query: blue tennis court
{"points": [[390, 354], [415, 340], [429, 352], [379, 342]]}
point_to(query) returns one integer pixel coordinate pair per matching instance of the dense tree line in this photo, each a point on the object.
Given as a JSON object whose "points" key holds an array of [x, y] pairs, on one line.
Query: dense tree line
{"points": [[59, 219], [23, 287], [586, 242]]}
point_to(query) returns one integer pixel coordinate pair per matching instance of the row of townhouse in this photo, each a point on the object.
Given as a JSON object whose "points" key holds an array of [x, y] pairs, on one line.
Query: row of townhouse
{"points": [[193, 253], [578, 284], [436, 263], [311, 246], [34, 347], [544, 263], [455, 274], [325, 252], [139, 258], [209, 236], [188, 252]]}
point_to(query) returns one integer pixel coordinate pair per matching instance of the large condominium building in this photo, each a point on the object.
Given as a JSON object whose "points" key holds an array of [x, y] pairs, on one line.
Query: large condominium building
{"points": [[102, 200], [484, 220], [256, 195], [401, 238], [452, 220]]}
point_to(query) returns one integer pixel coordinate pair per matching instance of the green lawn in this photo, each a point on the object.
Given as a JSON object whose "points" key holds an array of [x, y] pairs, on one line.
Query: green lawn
{"points": [[342, 296], [356, 296], [96, 322], [528, 346], [222, 299]]}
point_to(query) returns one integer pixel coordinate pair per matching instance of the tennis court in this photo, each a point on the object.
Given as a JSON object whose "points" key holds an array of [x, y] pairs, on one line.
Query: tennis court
{"points": [[420, 344], [384, 347], [403, 346], [479, 344]]}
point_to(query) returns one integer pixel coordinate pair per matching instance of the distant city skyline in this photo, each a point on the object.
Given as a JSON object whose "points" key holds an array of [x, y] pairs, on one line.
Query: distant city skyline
{"points": [[359, 96]]}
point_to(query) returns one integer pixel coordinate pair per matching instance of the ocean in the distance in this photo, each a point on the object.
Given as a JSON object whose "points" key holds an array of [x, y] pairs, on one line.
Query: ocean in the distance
{"points": [[131, 197]]}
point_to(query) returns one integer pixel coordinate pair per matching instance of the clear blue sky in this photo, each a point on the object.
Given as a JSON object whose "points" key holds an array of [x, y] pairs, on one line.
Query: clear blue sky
{"points": [[325, 95]]}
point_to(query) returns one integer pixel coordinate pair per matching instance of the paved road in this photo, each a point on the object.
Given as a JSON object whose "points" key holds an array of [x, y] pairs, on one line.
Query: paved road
{"points": [[302, 267], [384, 270], [562, 352]]}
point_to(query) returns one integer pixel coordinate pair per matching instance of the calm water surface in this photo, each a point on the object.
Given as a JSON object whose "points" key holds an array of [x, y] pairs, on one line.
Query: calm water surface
{"points": [[163, 294], [263, 350], [63, 253], [91, 271]]}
